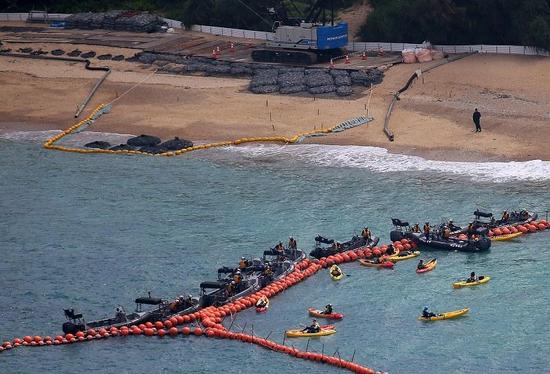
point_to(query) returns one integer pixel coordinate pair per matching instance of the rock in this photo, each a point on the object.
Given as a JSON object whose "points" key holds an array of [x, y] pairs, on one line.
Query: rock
{"points": [[152, 149], [57, 52], [292, 89], [359, 77], [176, 144], [25, 50], [88, 54], [238, 69], [264, 78], [342, 80], [106, 56], [265, 89], [319, 79], [146, 58], [160, 63], [74, 53], [218, 69], [344, 91], [123, 147], [143, 140], [322, 89], [118, 58], [98, 144], [338, 72], [39, 52], [289, 79]]}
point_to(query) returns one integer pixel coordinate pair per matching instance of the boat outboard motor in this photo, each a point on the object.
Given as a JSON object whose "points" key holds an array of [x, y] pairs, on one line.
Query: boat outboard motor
{"points": [[483, 244], [321, 239]]}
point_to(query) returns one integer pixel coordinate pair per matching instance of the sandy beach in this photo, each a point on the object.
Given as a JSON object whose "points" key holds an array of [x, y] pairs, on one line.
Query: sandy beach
{"points": [[432, 119]]}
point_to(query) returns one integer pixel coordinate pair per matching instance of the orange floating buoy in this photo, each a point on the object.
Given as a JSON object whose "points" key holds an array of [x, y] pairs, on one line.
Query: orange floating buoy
{"points": [[27, 339], [69, 337], [161, 333], [541, 226], [149, 325], [197, 331], [186, 330], [159, 325], [167, 324], [179, 320], [173, 331]]}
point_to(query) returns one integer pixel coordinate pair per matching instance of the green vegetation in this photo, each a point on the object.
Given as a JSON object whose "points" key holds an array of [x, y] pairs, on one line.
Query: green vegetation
{"points": [[522, 22]]}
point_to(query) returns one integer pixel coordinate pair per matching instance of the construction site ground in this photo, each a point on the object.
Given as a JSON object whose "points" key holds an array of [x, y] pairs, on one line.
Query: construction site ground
{"points": [[181, 42]]}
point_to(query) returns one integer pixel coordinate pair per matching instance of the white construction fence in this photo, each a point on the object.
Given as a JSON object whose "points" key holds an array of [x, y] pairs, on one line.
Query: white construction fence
{"points": [[352, 46]]}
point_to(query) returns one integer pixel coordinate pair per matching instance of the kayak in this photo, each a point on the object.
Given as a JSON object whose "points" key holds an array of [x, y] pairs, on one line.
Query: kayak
{"points": [[463, 283], [325, 330], [319, 314], [383, 265], [506, 237], [430, 265], [448, 315], [396, 258], [262, 309], [334, 268]]}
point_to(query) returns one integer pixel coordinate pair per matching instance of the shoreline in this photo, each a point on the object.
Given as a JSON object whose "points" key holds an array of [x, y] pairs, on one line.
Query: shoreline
{"points": [[432, 119], [439, 154]]}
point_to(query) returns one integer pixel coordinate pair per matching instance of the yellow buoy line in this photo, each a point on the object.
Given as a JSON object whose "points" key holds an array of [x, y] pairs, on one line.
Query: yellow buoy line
{"points": [[105, 108]]}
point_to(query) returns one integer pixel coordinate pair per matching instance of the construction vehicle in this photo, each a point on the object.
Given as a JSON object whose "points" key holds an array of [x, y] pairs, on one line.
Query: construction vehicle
{"points": [[306, 41]]}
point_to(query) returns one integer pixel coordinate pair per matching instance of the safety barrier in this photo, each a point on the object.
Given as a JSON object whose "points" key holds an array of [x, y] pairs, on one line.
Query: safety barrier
{"points": [[102, 109], [352, 46], [211, 318]]}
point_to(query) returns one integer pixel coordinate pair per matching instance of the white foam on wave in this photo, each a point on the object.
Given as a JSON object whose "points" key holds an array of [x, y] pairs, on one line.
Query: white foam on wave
{"points": [[77, 139], [380, 160]]}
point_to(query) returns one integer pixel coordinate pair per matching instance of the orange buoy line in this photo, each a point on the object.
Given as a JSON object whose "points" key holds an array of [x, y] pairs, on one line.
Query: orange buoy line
{"points": [[102, 109], [524, 228], [211, 317]]}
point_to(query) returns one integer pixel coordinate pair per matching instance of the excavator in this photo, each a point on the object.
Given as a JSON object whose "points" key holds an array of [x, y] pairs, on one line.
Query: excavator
{"points": [[305, 40]]}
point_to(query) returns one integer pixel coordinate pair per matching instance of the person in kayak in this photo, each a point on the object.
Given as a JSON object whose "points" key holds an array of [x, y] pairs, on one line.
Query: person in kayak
{"points": [[336, 272], [262, 302], [421, 265], [313, 328], [328, 309], [427, 230], [427, 314], [390, 251], [416, 228], [473, 278]]}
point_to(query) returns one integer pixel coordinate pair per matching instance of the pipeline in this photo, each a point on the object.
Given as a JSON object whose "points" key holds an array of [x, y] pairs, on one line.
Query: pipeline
{"points": [[389, 133], [105, 108], [87, 66]]}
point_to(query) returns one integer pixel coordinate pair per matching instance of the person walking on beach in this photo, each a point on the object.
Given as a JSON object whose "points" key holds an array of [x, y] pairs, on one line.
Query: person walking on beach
{"points": [[477, 120]]}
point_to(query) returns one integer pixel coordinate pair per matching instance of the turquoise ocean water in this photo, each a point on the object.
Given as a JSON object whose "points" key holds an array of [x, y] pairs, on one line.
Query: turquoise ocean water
{"points": [[93, 232]]}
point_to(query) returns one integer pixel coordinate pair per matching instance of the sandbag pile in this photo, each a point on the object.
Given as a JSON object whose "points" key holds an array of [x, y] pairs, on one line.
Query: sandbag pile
{"points": [[266, 78], [411, 56], [116, 20]]}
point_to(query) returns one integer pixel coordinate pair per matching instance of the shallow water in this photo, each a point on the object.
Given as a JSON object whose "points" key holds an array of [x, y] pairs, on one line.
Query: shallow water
{"points": [[96, 231]]}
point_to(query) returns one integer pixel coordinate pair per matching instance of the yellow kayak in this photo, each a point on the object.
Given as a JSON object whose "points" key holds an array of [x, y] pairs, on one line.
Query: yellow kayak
{"points": [[463, 283], [302, 334], [396, 258], [448, 315], [334, 269], [506, 237]]}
